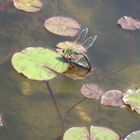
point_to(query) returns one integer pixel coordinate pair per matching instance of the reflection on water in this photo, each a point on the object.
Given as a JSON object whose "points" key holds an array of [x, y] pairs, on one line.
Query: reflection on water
{"points": [[26, 104]]}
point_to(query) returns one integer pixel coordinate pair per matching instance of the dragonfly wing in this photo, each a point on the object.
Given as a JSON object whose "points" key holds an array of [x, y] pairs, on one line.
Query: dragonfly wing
{"points": [[82, 35], [89, 42]]}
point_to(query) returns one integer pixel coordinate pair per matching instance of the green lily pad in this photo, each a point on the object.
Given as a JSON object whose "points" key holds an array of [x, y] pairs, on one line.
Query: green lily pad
{"points": [[103, 133], [76, 133], [132, 98], [63, 26], [95, 133], [133, 136], [38, 63], [28, 5]]}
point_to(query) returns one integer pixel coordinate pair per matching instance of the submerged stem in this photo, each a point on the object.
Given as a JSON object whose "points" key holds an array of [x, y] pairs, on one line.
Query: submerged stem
{"points": [[72, 107], [56, 107], [133, 52]]}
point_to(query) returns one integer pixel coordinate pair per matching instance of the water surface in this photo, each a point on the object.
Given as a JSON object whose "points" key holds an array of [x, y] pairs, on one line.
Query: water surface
{"points": [[27, 106]]}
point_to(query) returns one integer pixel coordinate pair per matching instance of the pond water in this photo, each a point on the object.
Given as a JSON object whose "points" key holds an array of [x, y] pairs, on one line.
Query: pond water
{"points": [[29, 112]]}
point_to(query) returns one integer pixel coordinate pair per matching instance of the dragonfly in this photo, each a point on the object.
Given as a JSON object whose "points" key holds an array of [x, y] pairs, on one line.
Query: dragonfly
{"points": [[73, 52], [71, 49]]}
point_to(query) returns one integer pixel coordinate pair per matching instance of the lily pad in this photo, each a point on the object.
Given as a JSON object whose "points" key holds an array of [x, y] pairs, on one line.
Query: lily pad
{"points": [[38, 63], [112, 98], [63, 26], [132, 98], [133, 136], [95, 133], [103, 133], [76, 133], [92, 91], [28, 5], [129, 23]]}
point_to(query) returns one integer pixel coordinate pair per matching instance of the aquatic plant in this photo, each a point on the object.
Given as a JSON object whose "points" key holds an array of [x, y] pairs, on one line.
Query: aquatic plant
{"points": [[132, 98], [113, 97], [44, 64], [64, 26], [110, 98], [97, 133], [28, 5], [92, 91], [24, 5], [94, 133], [39, 63], [133, 136], [130, 24]]}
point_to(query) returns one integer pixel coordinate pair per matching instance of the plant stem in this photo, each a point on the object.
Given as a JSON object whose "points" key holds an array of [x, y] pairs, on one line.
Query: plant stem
{"points": [[133, 51], [57, 108], [70, 109]]}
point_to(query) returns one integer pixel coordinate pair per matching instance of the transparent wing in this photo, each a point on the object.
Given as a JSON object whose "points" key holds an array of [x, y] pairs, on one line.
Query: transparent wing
{"points": [[82, 35], [89, 42]]}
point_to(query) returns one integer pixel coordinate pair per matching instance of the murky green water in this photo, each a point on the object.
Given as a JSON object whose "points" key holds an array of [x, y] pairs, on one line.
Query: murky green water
{"points": [[28, 108]]}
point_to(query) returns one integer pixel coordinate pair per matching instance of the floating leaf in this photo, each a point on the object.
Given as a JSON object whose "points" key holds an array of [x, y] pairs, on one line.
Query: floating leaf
{"points": [[76, 133], [92, 91], [103, 133], [129, 23], [133, 136], [63, 26], [28, 5], [95, 133], [132, 98], [38, 63], [112, 98]]}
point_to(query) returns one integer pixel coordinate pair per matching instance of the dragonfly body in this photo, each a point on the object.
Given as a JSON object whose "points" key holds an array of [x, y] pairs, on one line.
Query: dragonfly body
{"points": [[69, 53]]}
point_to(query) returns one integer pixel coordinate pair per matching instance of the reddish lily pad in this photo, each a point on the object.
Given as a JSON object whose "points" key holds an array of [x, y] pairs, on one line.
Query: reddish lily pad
{"points": [[112, 98], [63, 26], [133, 136], [92, 91], [28, 5], [129, 23], [95, 133]]}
